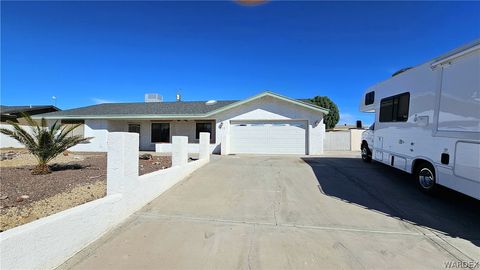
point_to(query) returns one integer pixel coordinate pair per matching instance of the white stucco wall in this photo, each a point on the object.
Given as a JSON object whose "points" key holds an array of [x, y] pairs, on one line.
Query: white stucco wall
{"points": [[98, 129], [191, 147], [6, 141]]}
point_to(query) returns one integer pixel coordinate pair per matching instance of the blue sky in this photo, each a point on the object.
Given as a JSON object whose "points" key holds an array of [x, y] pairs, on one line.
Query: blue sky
{"points": [[89, 52]]}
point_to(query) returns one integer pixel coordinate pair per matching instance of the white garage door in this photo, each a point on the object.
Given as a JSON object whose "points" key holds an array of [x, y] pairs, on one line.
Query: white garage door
{"points": [[268, 137]]}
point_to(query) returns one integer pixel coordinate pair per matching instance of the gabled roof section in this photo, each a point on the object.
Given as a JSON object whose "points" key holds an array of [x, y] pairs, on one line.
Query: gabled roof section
{"points": [[299, 102], [165, 110]]}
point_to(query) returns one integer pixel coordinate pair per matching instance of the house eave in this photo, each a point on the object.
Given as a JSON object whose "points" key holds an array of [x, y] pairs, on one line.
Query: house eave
{"points": [[123, 116]]}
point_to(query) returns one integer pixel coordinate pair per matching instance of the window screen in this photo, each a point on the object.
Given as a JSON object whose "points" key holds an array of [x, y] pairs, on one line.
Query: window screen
{"points": [[395, 108], [160, 132]]}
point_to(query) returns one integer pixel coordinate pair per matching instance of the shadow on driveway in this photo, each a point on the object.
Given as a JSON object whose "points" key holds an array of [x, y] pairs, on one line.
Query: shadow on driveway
{"points": [[384, 189]]}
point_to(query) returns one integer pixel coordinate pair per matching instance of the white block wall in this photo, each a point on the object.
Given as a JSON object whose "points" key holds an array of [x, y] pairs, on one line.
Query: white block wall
{"points": [[343, 140], [98, 129], [6, 141], [48, 242]]}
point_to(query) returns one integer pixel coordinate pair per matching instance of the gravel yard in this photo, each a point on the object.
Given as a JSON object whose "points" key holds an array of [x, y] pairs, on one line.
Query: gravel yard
{"points": [[76, 178]]}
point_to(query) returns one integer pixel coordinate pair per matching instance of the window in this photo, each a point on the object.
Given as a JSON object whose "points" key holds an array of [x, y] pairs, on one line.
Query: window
{"points": [[160, 132], [134, 128], [369, 98], [203, 127], [395, 109], [78, 131]]}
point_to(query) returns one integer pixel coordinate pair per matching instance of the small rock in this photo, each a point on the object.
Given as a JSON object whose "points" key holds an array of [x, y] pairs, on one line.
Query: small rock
{"points": [[145, 156], [156, 163], [4, 197], [24, 197], [19, 199]]}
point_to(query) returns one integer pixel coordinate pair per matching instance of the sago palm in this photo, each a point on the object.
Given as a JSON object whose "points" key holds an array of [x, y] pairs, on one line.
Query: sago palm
{"points": [[44, 142]]}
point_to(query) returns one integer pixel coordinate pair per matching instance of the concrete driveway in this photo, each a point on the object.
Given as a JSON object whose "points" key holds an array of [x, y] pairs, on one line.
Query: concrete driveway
{"points": [[259, 212]]}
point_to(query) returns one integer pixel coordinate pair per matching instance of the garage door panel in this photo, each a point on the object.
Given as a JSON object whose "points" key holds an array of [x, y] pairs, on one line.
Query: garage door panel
{"points": [[267, 137]]}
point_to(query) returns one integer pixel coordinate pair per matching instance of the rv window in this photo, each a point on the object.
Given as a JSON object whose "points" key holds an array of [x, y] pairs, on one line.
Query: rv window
{"points": [[395, 108], [386, 110], [370, 98]]}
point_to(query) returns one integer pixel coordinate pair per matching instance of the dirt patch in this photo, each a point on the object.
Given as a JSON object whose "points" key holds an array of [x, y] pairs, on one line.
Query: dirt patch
{"points": [[18, 181], [23, 158], [75, 179], [18, 215], [155, 164]]}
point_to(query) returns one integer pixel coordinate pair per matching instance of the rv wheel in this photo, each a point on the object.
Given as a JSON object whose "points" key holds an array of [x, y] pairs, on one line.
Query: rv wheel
{"points": [[425, 174], [366, 155]]}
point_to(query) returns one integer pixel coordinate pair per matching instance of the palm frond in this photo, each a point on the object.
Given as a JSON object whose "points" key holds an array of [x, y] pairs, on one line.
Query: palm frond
{"points": [[21, 135], [67, 130], [33, 125]]}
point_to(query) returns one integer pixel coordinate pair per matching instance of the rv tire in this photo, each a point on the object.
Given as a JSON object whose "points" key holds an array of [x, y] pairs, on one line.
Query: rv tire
{"points": [[366, 154], [425, 176]]}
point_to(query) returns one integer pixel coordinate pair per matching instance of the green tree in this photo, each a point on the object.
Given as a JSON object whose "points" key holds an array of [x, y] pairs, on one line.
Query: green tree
{"points": [[44, 142], [331, 119]]}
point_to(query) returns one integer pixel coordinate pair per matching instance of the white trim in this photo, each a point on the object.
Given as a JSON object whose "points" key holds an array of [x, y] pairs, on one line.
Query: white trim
{"points": [[447, 59]]}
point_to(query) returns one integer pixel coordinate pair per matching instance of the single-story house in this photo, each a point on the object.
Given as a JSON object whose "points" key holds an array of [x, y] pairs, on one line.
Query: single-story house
{"points": [[267, 123]]}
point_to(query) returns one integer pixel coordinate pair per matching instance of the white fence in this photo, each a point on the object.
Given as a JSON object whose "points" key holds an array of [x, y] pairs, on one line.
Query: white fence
{"points": [[343, 140], [6, 141], [48, 242]]}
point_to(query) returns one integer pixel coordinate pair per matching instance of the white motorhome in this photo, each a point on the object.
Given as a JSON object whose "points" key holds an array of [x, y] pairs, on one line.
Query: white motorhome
{"points": [[427, 121]]}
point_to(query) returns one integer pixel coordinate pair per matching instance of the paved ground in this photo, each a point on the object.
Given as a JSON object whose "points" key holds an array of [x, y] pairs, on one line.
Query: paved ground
{"points": [[242, 212]]}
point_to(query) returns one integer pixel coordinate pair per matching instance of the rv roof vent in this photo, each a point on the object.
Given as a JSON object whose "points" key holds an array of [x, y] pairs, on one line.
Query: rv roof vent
{"points": [[153, 98], [401, 71], [211, 102]]}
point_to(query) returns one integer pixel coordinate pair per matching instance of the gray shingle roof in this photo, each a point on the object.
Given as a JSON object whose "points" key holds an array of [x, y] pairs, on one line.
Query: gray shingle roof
{"points": [[142, 108], [159, 110]]}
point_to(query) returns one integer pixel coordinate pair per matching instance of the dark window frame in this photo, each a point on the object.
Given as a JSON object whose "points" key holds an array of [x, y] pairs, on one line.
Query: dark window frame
{"points": [[134, 124], [370, 98], [390, 108], [160, 140], [211, 131], [80, 130]]}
